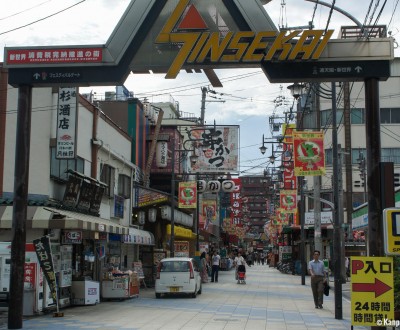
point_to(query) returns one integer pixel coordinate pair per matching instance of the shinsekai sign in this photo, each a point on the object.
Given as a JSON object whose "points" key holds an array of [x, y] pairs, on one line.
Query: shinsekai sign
{"points": [[168, 36], [187, 27]]}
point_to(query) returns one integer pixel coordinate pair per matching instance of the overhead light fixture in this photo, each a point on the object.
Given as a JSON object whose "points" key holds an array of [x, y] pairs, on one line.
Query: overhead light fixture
{"points": [[296, 89]]}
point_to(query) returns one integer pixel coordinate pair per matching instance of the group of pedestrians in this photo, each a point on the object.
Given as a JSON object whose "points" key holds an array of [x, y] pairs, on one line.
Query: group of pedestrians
{"points": [[206, 264]]}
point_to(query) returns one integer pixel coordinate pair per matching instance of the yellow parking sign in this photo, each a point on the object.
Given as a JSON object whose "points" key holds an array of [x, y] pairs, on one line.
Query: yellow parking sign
{"points": [[372, 294], [391, 226]]}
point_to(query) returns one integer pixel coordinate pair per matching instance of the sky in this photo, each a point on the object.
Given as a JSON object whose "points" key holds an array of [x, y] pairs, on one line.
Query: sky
{"points": [[247, 98]]}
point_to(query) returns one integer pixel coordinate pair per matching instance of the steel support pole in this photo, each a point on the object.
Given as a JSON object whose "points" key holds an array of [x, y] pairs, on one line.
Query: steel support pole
{"points": [[302, 231], [372, 126], [20, 205], [373, 146], [172, 240], [337, 250], [197, 217]]}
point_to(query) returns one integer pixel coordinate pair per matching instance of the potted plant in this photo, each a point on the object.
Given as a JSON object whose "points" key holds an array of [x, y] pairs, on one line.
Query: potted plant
{"points": [[396, 286]]}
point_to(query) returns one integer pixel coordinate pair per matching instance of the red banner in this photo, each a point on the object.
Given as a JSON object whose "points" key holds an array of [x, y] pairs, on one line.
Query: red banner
{"points": [[188, 195], [236, 203], [309, 155], [288, 199]]}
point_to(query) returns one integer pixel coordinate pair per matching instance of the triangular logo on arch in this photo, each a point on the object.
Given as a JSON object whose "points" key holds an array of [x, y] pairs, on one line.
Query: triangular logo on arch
{"points": [[192, 20]]}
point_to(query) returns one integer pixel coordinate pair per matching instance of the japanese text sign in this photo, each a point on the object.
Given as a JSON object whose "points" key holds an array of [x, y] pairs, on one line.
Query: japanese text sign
{"points": [[43, 252], [372, 296], [66, 123]]}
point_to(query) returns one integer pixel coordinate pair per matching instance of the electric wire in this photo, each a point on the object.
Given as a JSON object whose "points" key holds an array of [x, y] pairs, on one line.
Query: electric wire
{"points": [[42, 19], [23, 11]]}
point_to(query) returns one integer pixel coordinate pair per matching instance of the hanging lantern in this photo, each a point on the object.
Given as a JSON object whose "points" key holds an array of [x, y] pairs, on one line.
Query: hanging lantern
{"points": [[141, 217], [228, 186], [152, 215], [201, 186], [214, 186], [146, 108], [162, 154]]}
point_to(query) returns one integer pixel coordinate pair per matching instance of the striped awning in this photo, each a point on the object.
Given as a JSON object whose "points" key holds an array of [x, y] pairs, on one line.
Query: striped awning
{"points": [[138, 236], [41, 217]]}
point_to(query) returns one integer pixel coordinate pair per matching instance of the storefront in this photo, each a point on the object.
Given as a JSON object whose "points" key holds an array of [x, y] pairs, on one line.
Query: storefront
{"points": [[79, 243]]}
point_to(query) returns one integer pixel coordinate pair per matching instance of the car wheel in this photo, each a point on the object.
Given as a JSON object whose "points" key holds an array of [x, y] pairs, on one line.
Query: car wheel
{"points": [[201, 288], [194, 294], [158, 295]]}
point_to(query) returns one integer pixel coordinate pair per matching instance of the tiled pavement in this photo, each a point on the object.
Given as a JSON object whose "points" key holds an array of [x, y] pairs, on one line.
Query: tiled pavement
{"points": [[269, 300]]}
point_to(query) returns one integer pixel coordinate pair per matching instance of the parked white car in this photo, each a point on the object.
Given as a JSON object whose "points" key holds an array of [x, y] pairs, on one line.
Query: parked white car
{"points": [[178, 275]]}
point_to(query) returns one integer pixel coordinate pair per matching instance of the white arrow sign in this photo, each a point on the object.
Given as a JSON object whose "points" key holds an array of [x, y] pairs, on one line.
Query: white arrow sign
{"points": [[358, 69]]}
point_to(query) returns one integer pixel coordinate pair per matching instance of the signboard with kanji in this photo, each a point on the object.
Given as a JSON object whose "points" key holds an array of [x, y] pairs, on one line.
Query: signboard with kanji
{"points": [[372, 295], [391, 226]]}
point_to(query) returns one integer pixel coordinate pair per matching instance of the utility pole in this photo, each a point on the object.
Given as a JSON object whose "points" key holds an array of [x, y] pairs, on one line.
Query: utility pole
{"points": [[336, 234], [317, 185], [203, 104]]}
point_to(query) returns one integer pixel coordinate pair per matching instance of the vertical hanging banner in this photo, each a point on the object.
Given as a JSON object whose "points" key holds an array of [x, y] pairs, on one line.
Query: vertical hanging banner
{"points": [[209, 212], [66, 123], [188, 195], [287, 159], [309, 155], [236, 203], [43, 252], [288, 199]]}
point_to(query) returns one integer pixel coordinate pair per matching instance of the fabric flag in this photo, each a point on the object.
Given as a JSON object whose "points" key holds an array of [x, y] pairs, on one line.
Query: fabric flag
{"points": [[43, 252], [188, 195], [309, 154]]}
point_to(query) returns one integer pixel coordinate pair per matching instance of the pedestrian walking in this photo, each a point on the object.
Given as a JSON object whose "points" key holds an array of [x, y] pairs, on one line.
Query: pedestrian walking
{"points": [[239, 261], [318, 278], [262, 258], [204, 268], [216, 262]]}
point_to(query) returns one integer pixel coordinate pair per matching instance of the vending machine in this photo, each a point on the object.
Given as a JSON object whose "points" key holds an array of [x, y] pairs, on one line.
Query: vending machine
{"points": [[35, 287]]}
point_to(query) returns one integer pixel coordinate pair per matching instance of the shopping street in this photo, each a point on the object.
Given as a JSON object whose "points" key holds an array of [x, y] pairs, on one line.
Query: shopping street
{"points": [[268, 300]]}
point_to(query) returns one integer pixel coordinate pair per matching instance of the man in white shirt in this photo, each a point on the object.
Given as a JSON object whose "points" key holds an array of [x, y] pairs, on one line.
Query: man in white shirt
{"points": [[215, 261], [316, 268]]}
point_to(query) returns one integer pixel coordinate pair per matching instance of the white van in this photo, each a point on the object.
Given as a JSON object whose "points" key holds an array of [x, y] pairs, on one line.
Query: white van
{"points": [[178, 275]]}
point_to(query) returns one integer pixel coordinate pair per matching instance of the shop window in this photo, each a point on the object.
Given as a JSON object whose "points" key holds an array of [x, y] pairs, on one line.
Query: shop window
{"points": [[59, 167], [107, 175], [124, 186]]}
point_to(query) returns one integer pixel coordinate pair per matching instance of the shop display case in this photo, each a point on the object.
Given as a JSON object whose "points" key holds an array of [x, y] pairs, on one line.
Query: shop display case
{"points": [[120, 286], [85, 292]]}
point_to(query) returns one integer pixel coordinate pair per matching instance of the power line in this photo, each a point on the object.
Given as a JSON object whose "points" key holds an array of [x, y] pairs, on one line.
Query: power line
{"points": [[23, 11], [42, 19]]}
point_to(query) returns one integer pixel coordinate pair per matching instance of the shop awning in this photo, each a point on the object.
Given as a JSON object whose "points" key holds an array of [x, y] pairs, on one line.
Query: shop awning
{"points": [[138, 236], [40, 217]]}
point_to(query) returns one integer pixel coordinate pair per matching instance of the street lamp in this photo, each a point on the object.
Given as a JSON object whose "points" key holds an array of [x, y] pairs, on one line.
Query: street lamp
{"points": [[296, 89]]}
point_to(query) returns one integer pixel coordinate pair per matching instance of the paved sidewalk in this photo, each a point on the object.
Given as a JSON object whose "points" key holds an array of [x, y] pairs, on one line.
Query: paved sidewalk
{"points": [[269, 300]]}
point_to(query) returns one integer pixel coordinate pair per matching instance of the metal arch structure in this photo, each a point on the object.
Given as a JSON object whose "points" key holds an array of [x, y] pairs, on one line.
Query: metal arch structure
{"points": [[166, 36]]}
